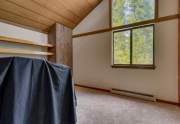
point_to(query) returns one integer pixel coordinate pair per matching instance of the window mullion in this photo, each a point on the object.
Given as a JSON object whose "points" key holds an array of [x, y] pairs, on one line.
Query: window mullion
{"points": [[131, 43]]}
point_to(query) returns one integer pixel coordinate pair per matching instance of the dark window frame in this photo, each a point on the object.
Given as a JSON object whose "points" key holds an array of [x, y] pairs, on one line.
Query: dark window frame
{"points": [[140, 66]]}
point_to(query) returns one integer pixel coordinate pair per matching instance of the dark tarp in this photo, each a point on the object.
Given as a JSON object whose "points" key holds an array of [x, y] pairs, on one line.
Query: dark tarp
{"points": [[34, 91]]}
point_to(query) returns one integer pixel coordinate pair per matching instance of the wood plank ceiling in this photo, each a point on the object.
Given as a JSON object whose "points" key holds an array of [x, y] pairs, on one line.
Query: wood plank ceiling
{"points": [[42, 14]]}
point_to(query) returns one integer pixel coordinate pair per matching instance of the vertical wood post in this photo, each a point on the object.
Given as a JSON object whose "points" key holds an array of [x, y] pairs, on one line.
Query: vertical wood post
{"points": [[61, 37], [179, 53]]}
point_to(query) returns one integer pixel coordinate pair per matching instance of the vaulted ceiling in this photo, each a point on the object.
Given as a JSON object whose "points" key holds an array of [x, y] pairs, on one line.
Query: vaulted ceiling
{"points": [[42, 14]]}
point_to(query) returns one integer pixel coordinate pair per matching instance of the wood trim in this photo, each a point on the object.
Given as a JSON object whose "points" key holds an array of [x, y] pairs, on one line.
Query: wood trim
{"points": [[105, 90], [94, 88], [134, 66], [23, 52], [179, 53], [167, 18], [156, 9], [27, 42], [132, 92], [110, 13], [131, 65], [93, 32], [160, 19], [167, 102]]}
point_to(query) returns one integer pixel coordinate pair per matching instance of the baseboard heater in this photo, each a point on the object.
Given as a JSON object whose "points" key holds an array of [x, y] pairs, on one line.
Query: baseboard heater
{"points": [[134, 94]]}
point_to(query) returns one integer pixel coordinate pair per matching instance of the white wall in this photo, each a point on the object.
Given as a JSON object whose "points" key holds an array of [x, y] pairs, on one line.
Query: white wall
{"points": [[92, 57], [21, 33], [99, 19], [168, 7]]}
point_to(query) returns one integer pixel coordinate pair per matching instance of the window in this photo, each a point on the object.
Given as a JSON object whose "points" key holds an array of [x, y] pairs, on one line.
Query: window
{"points": [[133, 46], [130, 11]]}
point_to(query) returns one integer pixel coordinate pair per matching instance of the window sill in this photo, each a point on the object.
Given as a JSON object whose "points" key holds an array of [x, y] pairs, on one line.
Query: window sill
{"points": [[134, 66]]}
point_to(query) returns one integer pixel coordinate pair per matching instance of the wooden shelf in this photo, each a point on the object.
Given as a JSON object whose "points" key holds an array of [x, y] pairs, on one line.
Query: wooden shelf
{"points": [[24, 52], [27, 42]]}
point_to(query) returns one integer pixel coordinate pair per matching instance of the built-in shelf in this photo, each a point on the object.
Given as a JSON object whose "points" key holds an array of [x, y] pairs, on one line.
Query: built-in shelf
{"points": [[20, 41], [24, 52]]}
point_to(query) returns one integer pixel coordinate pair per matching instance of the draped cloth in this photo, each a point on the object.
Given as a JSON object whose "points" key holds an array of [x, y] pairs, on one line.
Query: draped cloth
{"points": [[35, 91]]}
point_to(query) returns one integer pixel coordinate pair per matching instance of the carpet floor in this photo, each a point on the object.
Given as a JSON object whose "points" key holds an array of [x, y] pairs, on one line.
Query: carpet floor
{"points": [[96, 107]]}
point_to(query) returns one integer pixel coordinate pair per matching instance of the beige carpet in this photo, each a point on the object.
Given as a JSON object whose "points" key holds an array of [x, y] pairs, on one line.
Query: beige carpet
{"points": [[95, 107]]}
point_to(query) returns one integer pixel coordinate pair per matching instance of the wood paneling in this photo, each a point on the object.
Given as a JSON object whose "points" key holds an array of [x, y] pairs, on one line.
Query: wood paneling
{"points": [[14, 9], [42, 14], [6, 15], [36, 8], [93, 2], [59, 10]]}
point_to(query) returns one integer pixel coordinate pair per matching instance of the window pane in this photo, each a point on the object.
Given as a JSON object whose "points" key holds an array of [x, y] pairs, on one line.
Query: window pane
{"points": [[122, 47], [142, 46], [131, 11]]}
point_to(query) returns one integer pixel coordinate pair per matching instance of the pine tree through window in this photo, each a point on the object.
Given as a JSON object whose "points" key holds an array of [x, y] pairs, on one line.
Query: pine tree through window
{"points": [[133, 47]]}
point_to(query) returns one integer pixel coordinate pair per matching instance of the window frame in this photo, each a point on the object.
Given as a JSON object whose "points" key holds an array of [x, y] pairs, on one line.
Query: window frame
{"points": [[140, 66]]}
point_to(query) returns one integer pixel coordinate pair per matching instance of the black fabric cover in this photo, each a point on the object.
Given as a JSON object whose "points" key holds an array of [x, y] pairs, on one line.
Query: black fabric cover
{"points": [[34, 91]]}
